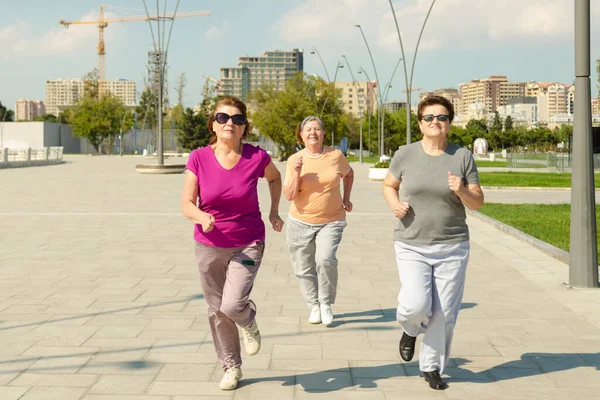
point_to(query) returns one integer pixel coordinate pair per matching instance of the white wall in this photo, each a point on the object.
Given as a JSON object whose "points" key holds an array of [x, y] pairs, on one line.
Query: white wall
{"points": [[35, 135]]}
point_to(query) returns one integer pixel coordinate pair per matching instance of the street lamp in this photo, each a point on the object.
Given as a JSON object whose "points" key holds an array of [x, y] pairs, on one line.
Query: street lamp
{"points": [[315, 51], [362, 71], [409, 83], [360, 143], [378, 87]]}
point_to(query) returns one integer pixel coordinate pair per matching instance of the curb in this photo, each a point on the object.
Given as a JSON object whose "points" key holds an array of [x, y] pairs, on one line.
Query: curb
{"points": [[547, 248], [537, 188]]}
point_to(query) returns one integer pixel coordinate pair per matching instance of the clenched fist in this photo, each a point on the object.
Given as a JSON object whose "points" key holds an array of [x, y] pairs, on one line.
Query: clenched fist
{"points": [[455, 183], [298, 164], [208, 222], [401, 209]]}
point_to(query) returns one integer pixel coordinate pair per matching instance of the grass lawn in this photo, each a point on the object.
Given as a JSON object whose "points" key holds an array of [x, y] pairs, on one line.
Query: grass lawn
{"points": [[486, 163], [547, 222], [528, 179], [367, 160]]}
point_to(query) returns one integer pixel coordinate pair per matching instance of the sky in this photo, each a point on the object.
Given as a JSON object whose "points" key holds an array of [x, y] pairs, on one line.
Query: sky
{"points": [[462, 40]]}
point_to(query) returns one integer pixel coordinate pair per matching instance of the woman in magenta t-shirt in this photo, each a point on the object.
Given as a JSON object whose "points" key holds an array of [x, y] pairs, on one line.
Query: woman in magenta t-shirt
{"points": [[220, 196]]}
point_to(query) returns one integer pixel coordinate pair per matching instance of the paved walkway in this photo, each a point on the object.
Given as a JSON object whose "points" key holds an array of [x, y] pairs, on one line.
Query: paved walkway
{"points": [[100, 299]]}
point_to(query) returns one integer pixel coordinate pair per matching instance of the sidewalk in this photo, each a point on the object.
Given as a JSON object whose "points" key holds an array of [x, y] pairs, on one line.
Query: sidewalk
{"points": [[100, 299]]}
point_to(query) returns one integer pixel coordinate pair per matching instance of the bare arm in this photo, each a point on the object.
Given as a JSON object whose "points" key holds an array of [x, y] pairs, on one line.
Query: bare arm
{"points": [[274, 178], [188, 203], [390, 188], [471, 195], [348, 182], [292, 180]]}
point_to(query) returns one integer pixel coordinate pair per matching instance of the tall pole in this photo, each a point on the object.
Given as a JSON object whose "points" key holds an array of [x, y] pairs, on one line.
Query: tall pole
{"points": [[409, 83], [360, 140], [583, 261], [377, 100], [377, 78], [315, 51]]}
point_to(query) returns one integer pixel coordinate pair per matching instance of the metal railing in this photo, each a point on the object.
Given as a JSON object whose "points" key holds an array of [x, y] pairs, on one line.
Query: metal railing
{"points": [[34, 156]]}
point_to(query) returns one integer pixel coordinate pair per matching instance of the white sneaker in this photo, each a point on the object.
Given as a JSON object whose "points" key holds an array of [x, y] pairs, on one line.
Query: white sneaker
{"points": [[251, 338], [231, 378], [315, 315], [326, 315]]}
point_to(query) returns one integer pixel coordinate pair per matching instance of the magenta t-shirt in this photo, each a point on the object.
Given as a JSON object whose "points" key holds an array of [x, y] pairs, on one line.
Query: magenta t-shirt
{"points": [[231, 196]]}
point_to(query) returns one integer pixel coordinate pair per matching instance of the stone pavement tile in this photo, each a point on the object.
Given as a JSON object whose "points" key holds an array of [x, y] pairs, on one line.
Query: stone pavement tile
{"points": [[169, 345], [187, 335], [121, 354], [63, 364], [533, 350], [129, 367], [120, 320], [483, 362], [324, 381], [118, 332], [339, 395], [473, 348], [294, 364], [61, 380], [170, 323], [573, 377], [224, 395], [12, 393], [54, 393], [64, 336], [376, 369], [123, 397], [298, 351], [366, 355], [357, 343], [121, 384], [479, 391], [115, 308], [521, 377], [186, 372], [181, 358], [17, 347], [266, 390], [186, 389]]}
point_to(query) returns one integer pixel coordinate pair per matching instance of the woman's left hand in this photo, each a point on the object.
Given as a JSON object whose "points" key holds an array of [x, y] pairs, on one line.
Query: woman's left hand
{"points": [[347, 205], [276, 221]]}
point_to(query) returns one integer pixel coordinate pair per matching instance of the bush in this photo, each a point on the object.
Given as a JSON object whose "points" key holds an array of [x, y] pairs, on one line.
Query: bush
{"points": [[382, 164]]}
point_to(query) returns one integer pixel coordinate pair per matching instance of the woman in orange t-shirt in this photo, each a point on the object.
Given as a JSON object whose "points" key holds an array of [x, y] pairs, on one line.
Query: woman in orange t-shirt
{"points": [[317, 216]]}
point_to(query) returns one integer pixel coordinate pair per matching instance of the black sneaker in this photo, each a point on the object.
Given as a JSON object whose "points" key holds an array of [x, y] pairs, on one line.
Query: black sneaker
{"points": [[406, 347], [435, 380]]}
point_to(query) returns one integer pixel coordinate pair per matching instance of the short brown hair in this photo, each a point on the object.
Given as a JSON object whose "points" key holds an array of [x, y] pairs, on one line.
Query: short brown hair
{"points": [[233, 102], [434, 101]]}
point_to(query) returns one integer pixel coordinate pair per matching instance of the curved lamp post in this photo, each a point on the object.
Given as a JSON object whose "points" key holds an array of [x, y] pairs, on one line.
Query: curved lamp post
{"points": [[379, 134], [360, 142], [362, 71], [409, 82]]}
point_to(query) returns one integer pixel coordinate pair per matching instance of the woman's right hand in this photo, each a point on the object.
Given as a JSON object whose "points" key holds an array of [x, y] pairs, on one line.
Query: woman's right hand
{"points": [[208, 222], [401, 209], [298, 164]]}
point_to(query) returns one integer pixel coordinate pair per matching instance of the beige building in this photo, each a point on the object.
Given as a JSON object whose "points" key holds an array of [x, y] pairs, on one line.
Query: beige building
{"points": [[27, 110], [359, 98], [492, 92], [553, 98], [63, 93], [272, 68]]}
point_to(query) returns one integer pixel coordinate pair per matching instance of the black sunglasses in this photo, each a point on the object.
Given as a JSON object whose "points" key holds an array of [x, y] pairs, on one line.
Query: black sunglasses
{"points": [[440, 117], [237, 119]]}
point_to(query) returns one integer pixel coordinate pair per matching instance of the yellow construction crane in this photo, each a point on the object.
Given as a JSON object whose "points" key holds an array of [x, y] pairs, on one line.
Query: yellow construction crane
{"points": [[103, 23]]}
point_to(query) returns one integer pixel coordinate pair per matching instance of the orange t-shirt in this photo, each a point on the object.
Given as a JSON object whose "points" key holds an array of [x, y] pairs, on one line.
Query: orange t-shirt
{"points": [[319, 199]]}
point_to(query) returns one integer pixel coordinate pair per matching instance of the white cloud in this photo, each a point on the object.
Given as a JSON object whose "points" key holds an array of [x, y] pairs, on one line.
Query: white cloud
{"points": [[22, 41], [453, 24], [214, 33]]}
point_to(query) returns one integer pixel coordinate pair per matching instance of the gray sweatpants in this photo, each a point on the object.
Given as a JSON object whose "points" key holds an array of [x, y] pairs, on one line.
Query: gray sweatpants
{"points": [[227, 276], [433, 282], [312, 251]]}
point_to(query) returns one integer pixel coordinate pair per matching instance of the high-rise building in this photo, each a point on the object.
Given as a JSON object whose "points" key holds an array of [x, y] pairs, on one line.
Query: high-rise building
{"points": [[553, 98], [492, 92], [27, 110], [64, 93], [272, 67], [358, 98]]}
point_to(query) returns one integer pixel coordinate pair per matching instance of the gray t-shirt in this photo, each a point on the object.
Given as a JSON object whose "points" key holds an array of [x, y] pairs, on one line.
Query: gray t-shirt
{"points": [[436, 213]]}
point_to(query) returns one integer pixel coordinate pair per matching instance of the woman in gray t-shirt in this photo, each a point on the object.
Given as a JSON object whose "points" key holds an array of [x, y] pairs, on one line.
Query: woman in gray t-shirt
{"points": [[428, 185]]}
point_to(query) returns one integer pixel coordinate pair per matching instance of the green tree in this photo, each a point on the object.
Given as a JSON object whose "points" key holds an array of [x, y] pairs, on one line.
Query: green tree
{"points": [[46, 118], [6, 115], [91, 88], [508, 123], [178, 111], [277, 114], [192, 130], [100, 120], [146, 109], [476, 128]]}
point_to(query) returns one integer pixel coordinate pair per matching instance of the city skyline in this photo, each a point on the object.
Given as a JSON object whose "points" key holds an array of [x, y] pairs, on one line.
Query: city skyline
{"points": [[462, 41]]}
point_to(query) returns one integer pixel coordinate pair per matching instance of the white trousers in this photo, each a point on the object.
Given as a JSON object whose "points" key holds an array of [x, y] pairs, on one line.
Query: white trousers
{"points": [[433, 282]]}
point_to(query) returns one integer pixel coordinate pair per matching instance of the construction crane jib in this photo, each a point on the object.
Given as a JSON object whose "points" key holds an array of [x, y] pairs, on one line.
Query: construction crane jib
{"points": [[103, 23]]}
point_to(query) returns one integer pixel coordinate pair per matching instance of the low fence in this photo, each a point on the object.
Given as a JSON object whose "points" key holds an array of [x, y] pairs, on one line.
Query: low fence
{"points": [[558, 162], [12, 158]]}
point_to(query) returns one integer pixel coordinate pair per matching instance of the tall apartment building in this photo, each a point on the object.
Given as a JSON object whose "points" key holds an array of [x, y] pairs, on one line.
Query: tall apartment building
{"points": [[358, 98], [27, 110], [449, 93], [64, 93], [272, 67], [553, 98], [122, 89], [492, 92]]}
